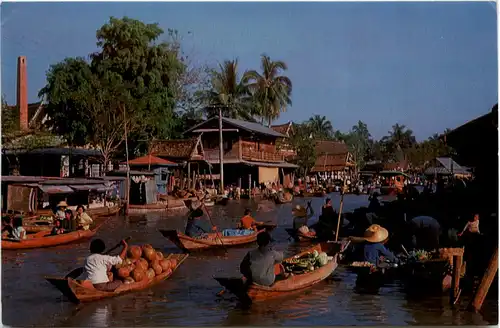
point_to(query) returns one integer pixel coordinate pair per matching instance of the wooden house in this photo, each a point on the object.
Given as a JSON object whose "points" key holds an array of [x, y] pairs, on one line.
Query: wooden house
{"points": [[333, 160], [250, 155], [159, 166], [285, 148]]}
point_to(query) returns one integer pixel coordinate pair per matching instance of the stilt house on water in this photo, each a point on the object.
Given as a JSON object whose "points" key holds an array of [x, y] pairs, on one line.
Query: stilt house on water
{"points": [[250, 153], [333, 160], [162, 169]]}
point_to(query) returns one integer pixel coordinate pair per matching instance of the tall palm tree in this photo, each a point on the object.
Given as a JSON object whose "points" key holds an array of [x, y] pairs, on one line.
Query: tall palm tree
{"points": [[320, 126], [399, 140], [271, 91], [228, 93]]}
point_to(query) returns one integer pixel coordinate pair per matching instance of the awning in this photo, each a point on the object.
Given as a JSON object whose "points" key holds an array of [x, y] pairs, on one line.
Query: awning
{"points": [[56, 189], [88, 187], [265, 164]]}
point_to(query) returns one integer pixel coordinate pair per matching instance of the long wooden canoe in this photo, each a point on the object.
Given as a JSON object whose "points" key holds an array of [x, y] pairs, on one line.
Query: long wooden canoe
{"points": [[45, 239], [103, 211], [80, 291], [254, 292], [280, 200], [189, 244], [300, 237]]}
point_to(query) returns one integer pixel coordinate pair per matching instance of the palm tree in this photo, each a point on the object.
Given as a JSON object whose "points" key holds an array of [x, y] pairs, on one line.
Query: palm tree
{"points": [[227, 93], [270, 90], [399, 140], [321, 126]]}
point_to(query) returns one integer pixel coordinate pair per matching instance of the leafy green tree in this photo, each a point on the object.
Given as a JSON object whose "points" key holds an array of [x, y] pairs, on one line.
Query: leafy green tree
{"points": [[320, 127], [358, 141], [227, 93], [301, 141], [399, 141], [10, 118], [270, 90]]}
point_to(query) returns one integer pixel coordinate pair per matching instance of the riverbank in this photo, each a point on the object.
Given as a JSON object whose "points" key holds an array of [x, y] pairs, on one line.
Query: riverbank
{"points": [[32, 301]]}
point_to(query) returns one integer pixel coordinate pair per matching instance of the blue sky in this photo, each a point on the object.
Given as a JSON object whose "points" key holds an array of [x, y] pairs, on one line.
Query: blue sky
{"points": [[427, 65]]}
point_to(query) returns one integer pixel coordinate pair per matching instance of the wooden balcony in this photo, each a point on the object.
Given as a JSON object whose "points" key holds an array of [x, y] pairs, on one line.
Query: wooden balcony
{"points": [[261, 156], [212, 155]]}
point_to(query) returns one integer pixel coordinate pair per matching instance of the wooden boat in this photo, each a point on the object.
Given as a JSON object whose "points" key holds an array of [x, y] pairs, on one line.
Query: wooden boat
{"points": [[103, 211], [319, 193], [80, 291], [37, 228], [189, 244], [282, 200], [44, 239], [254, 292], [300, 237], [307, 194], [222, 201], [209, 203]]}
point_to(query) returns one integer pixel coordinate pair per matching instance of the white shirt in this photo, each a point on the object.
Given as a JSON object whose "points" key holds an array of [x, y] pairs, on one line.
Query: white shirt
{"points": [[96, 267], [16, 233]]}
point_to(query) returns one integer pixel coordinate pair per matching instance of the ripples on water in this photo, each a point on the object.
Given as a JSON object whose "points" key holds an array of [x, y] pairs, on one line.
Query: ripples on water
{"points": [[189, 296]]}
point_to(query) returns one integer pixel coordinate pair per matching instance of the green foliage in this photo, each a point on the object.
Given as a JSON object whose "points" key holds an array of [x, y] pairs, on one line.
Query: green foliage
{"points": [[302, 142], [271, 91], [320, 127], [227, 93], [10, 118], [132, 81], [358, 141]]}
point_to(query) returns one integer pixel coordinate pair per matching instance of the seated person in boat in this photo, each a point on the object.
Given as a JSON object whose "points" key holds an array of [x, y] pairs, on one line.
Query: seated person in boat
{"points": [[195, 227], [61, 208], [97, 266], [7, 226], [472, 227], [57, 229], [83, 220], [69, 223], [258, 265], [373, 249], [374, 205], [18, 231], [248, 222], [300, 218]]}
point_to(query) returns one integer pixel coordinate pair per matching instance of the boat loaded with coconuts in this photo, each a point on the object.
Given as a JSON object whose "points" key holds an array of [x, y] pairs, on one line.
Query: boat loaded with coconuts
{"points": [[304, 270], [143, 268], [212, 240], [45, 239]]}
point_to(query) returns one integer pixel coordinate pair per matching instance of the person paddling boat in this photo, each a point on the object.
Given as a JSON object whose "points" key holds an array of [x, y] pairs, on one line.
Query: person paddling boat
{"points": [[258, 265], [98, 265], [373, 246], [248, 222], [195, 227]]}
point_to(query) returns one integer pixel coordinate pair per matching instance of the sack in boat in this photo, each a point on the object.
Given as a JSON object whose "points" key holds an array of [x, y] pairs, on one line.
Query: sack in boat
{"points": [[304, 230], [236, 232]]}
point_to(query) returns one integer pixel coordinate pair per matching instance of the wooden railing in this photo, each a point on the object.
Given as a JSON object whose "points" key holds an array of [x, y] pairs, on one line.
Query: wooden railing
{"points": [[213, 154], [262, 156]]}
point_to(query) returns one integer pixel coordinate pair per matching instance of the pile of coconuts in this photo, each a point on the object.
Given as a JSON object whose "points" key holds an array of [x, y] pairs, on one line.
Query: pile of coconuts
{"points": [[143, 263]]}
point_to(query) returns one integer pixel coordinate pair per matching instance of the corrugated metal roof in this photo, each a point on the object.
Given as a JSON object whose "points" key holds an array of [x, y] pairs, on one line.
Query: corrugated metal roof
{"points": [[447, 163], [56, 151], [245, 125], [150, 160], [51, 189], [88, 187]]}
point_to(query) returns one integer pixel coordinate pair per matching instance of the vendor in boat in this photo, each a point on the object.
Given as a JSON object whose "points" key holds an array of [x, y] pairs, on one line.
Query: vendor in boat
{"points": [[472, 227], [18, 231], [69, 223], [61, 208], [374, 205], [7, 226], [57, 229], [258, 265], [248, 222], [97, 266], [195, 227], [373, 248], [83, 220]]}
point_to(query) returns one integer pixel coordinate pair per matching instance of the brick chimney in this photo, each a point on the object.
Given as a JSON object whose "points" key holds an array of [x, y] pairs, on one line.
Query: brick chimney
{"points": [[22, 92]]}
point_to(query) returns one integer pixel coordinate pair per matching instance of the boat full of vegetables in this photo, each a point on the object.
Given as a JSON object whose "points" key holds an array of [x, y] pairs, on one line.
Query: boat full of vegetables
{"points": [[419, 255], [307, 263]]}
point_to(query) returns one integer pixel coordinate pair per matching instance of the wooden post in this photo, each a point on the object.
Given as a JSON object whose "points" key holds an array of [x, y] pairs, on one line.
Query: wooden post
{"points": [[189, 176], [221, 153], [128, 166], [340, 212], [488, 277], [455, 280], [249, 186]]}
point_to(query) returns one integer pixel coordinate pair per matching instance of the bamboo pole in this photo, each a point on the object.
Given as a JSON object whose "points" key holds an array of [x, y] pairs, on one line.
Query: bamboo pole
{"points": [[221, 153], [488, 277], [128, 166], [340, 209], [455, 282]]}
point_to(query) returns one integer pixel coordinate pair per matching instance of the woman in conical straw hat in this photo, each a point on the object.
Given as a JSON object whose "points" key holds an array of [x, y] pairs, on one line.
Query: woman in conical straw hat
{"points": [[374, 238], [61, 207]]}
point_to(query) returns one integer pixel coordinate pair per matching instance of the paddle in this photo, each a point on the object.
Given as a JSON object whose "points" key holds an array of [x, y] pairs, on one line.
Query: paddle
{"points": [[213, 225], [78, 271]]}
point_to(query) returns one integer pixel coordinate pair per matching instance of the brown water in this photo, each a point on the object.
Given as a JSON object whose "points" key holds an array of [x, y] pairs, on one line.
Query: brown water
{"points": [[189, 296]]}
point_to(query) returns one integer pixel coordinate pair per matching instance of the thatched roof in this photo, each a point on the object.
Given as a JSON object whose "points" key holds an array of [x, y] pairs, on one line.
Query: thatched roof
{"points": [[184, 149]]}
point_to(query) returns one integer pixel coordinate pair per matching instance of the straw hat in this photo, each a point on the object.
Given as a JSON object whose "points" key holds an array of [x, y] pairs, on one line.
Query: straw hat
{"points": [[299, 211], [374, 234], [62, 204]]}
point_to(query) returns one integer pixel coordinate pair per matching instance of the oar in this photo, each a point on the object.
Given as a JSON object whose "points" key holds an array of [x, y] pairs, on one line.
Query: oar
{"points": [[78, 271], [213, 225]]}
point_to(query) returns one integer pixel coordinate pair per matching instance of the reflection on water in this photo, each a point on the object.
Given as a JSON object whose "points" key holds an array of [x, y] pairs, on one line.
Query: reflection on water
{"points": [[189, 296]]}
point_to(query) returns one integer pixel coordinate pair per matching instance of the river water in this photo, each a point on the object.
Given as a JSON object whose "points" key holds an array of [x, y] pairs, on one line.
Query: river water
{"points": [[189, 296]]}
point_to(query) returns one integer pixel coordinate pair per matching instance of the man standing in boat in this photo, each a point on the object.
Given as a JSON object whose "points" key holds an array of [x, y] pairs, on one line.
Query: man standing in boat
{"points": [[258, 265], [195, 227]]}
